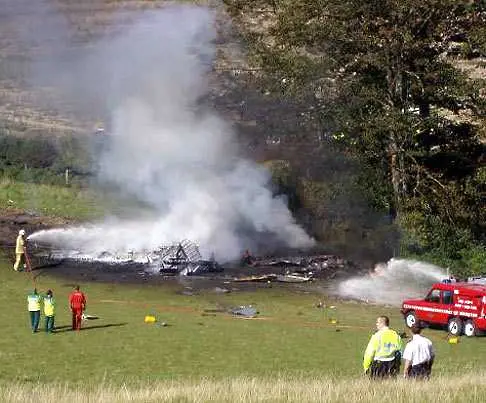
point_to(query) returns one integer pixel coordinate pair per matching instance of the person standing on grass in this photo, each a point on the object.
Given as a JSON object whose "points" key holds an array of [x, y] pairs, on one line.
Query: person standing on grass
{"points": [[34, 307], [49, 311], [20, 251], [77, 302], [418, 356], [382, 357]]}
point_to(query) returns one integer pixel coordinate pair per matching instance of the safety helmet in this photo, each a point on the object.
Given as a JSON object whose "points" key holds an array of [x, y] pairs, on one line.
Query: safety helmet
{"points": [[22, 232]]}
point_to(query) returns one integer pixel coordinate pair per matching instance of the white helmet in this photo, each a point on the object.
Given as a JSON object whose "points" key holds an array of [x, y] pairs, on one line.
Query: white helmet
{"points": [[22, 232]]}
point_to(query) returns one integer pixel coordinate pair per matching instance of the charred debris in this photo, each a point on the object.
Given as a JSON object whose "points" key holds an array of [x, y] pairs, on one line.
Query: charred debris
{"points": [[184, 258]]}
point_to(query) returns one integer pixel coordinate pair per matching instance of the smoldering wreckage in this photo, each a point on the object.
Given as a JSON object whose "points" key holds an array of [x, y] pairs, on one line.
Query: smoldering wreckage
{"points": [[184, 259]]}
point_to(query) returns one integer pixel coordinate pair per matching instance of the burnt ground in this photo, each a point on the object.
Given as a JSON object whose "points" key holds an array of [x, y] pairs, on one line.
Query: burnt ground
{"points": [[223, 282], [326, 269]]}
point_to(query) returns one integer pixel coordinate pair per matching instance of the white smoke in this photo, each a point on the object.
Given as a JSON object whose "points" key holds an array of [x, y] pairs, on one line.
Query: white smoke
{"points": [[392, 282], [171, 152]]}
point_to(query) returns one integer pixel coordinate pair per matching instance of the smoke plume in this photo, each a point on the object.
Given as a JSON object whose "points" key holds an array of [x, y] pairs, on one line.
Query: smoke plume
{"points": [[168, 149]]}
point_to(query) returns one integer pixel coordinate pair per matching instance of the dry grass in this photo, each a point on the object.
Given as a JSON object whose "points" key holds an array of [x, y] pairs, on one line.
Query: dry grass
{"points": [[464, 388]]}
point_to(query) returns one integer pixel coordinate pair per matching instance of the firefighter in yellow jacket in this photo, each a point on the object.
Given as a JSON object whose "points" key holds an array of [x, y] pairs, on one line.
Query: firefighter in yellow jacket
{"points": [[49, 311], [20, 251], [383, 356]]}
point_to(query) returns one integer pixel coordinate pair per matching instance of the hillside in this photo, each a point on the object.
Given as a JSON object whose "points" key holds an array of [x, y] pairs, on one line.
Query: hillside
{"points": [[60, 30], [67, 28]]}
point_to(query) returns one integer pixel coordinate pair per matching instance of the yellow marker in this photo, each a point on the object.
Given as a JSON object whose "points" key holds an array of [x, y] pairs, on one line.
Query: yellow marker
{"points": [[453, 340], [149, 319], [333, 321]]}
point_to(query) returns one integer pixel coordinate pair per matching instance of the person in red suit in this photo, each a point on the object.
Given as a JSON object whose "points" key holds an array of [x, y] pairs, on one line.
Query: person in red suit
{"points": [[77, 302]]}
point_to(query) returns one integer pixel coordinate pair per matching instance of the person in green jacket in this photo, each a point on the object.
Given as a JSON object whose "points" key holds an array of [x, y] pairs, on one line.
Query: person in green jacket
{"points": [[49, 311], [34, 307], [383, 356]]}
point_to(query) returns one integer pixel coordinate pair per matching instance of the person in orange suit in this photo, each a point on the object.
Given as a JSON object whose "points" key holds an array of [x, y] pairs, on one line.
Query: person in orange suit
{"points": [[77, 302]]}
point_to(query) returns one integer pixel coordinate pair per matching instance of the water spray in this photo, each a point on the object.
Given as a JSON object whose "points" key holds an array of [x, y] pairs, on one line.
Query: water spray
{"points": [[392, 282]]}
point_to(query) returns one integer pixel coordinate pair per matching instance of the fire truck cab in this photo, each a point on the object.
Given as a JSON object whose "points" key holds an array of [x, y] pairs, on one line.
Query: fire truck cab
{"points": [[459, 306]]}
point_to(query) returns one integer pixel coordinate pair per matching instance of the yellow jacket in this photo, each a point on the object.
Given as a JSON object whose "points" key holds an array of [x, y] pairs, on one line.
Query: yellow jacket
{"points": [[382, 347], [49, 306], [19, 246], [34, 302]]}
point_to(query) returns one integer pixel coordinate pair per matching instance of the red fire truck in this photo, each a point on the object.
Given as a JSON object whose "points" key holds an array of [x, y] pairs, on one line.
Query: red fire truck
{"points": [[459, 306]]}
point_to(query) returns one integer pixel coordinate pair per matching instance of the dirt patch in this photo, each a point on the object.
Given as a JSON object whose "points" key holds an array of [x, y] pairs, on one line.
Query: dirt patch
{"points": [[11, 221]]}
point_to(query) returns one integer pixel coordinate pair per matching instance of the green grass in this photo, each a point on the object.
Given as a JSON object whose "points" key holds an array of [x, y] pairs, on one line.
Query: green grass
{"points": [[292, 338], [49, 200], [69, 202]]}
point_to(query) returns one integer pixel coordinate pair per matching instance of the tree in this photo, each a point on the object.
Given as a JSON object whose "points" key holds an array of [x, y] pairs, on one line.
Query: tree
{"points": [[386, 84]]}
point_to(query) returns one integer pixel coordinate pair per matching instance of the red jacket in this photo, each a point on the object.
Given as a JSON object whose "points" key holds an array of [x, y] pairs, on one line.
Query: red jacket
{"points": [[77, 300]]}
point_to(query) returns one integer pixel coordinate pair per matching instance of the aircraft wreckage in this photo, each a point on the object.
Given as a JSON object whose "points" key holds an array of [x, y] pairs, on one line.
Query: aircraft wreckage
{"points": [[184, 258], [178, 258]]}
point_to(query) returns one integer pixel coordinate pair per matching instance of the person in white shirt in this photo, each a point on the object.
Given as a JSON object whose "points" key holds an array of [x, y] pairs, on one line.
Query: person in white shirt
{"points": [[418, 356]]}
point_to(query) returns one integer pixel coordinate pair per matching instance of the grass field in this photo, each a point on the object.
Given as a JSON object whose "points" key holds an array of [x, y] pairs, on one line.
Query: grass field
{"points": [[48, 200], [291, 350]]}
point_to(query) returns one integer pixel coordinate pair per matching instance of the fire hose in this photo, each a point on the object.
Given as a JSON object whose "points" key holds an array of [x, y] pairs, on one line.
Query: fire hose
{"points": [[28, 267]]}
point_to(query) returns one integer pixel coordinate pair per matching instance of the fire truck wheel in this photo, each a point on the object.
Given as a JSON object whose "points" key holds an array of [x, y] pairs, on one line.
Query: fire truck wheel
{"points": [[469, 328], [455, 326], [410, 319]]}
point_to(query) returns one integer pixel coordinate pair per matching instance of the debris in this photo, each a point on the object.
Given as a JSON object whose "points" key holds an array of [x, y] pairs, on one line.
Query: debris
{"points": [[293, 278], [85, 316], [266, 277], [177, 258], [246, 311]]}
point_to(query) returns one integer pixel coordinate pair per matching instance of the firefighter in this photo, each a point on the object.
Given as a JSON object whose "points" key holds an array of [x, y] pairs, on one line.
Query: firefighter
{"points": [[20, 251], [382, 357], [247, 258], [34, 307], [49, 311], [77, 302]]}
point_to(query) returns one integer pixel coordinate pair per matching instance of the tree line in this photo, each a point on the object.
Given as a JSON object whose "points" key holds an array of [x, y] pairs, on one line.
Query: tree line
{"points": [[382, 83]]}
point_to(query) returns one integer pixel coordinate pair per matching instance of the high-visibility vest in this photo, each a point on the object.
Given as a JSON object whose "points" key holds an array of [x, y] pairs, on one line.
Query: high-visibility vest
{"points": [[382, 347], [49, 306], [19, 246], [34, 302]]}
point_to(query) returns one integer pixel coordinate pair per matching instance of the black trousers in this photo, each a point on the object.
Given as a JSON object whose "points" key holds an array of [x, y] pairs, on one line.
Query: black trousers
{"points": [[386, 369], [420, 371]]}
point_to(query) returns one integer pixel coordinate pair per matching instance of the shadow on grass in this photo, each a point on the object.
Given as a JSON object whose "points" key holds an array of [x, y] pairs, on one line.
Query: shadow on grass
{"points": [[68, 328]]}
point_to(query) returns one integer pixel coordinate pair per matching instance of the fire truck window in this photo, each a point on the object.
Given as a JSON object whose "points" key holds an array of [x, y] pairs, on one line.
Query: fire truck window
{"points": [[434, 296], [447, 297]]}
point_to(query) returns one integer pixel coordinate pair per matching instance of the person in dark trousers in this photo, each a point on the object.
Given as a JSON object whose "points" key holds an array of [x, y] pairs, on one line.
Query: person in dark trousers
{"points": [[418, 355], [382, 357], [34, 307], [77, 302], [49, 311]]}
